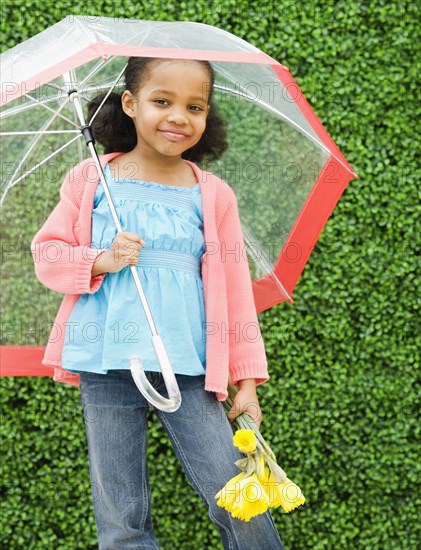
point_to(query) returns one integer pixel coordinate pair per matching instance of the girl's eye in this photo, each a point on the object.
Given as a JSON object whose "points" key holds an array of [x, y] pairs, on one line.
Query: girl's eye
{"points": [[195, 108]]}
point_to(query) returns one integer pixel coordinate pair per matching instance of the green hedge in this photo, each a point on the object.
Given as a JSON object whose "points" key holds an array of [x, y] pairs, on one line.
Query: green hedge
{"points": [[340, 405]]}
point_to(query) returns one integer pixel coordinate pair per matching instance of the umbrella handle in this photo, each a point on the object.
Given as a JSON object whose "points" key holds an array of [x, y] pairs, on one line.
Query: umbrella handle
{"points": [[173, 402]]}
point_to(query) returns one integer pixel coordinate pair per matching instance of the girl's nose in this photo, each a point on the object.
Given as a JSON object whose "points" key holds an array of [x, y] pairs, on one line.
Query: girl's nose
{"points": [[177, 118]]}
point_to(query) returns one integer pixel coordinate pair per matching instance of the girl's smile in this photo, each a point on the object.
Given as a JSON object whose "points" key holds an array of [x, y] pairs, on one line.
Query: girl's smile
{"points": [[174, 134]]}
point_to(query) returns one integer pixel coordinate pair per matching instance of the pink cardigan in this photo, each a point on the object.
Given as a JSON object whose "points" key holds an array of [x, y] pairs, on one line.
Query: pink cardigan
{"points": [[63, 262]]}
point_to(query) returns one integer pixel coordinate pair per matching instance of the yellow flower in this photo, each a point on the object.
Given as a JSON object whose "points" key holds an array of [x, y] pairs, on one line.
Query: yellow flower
{"points": [[263, 475], [228, 493], [244, 497], [286, 494], [245, 441]]}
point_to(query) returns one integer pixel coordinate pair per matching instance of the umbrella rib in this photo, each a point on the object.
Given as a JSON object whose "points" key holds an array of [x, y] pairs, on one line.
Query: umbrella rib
{"points": [[21, 108], [108, 93], [55, 86], [12, 183], [286, 118], [32, 145], [39, 132], [36, 103], [57, 113], [94, 71]]}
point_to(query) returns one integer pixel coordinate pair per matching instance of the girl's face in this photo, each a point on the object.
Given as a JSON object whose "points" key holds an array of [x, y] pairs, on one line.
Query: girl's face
{"points": [[170, 109]]}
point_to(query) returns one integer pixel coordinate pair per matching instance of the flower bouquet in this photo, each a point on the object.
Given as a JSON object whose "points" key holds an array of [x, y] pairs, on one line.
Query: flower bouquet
{"points": [[262, 484]]}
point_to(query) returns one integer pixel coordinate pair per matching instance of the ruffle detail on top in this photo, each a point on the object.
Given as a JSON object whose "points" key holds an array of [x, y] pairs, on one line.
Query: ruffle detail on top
{"points": [[106, 328]]}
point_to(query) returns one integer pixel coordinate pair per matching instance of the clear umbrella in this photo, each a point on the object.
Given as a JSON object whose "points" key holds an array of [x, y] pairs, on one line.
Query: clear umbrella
{"points": [[286, 171]]}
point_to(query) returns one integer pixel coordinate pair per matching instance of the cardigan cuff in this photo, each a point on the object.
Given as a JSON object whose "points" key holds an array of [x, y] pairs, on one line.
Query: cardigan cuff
{"points": [[249, 368], [65, 377], [85, 283]]}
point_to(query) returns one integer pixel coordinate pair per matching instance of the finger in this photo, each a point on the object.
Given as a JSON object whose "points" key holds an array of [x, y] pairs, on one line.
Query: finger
{"points": [[133, 256], [233, 413], [134, 237], [132, 247], [231, 418], [255, 414]]}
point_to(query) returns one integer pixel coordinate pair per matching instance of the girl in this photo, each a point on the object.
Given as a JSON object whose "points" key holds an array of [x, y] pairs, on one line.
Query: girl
{"points": [[181, 229]]}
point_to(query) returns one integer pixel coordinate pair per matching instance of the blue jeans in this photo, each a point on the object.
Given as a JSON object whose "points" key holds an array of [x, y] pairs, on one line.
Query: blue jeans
{"points": [[115, 414]]}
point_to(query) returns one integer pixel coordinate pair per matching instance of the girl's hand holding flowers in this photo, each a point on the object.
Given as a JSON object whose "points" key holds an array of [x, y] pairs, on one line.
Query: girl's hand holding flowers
{"points": [[246, 400], [123, 252], [262, 484]]}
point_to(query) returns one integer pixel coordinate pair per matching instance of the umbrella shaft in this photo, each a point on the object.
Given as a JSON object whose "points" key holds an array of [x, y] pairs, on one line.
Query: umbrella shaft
{"points": [[120, 229], [173, 402], [74, 97]]}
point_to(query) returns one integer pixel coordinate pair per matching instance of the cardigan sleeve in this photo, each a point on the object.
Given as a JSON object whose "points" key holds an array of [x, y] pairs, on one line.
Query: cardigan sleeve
{"points": [[62, 263], [247, 356]]}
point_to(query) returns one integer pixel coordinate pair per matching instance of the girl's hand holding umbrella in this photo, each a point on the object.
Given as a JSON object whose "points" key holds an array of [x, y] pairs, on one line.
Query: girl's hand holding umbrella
{"points": [[124, 251]]}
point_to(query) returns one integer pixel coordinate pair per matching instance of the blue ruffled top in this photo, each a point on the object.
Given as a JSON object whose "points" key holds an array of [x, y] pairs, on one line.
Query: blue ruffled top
{"points": [[108, 327]]}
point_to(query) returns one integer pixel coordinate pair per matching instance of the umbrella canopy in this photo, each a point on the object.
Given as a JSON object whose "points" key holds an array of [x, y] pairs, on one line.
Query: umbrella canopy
{"points": [[285, 169]]}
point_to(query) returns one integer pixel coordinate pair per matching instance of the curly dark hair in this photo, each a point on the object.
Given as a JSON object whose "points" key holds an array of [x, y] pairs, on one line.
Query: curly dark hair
{"points": [[116, 131]]}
